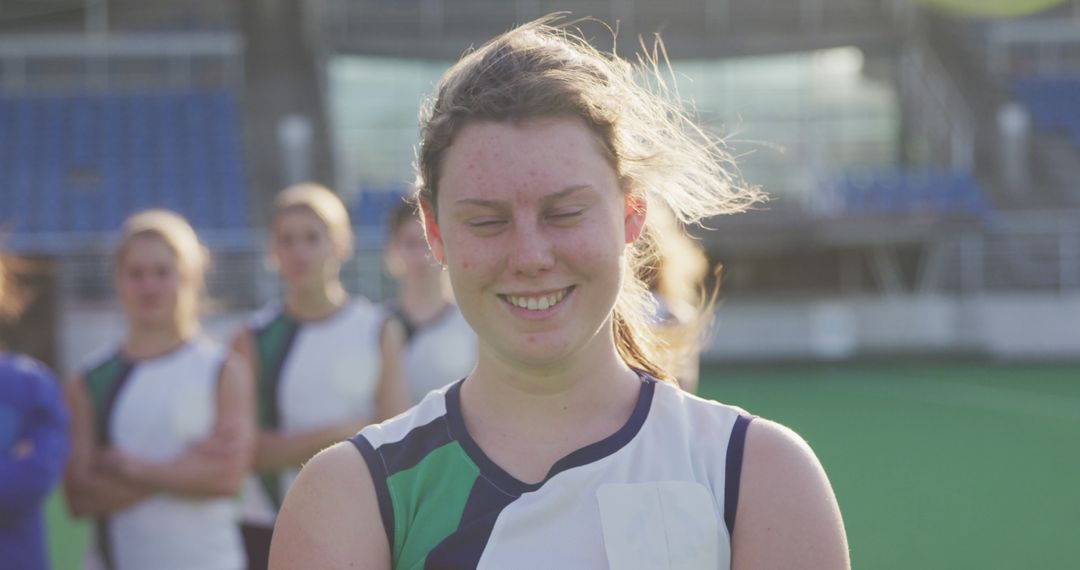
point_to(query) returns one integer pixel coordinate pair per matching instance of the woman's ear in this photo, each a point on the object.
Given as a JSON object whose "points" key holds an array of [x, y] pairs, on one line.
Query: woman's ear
{"points": [[431, 230], [635, 211]]}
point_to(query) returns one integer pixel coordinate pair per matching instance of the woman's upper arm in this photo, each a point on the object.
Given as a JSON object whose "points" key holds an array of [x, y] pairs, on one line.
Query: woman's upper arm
{"points": [[80, 426], [330, 518], [787, 512], [236, 403], [81, 432]]}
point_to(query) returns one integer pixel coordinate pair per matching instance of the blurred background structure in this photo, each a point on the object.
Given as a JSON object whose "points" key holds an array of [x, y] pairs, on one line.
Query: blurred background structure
{"points": [[921, 249]]}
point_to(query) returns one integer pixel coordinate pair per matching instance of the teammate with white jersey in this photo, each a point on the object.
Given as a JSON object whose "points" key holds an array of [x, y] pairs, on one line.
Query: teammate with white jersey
{"points": [[440, 346], [163, 425], [325, 364], [568, 446]]}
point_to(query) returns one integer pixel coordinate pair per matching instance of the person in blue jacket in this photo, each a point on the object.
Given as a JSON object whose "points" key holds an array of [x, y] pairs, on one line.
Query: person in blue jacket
{"points": [[33, 450]]}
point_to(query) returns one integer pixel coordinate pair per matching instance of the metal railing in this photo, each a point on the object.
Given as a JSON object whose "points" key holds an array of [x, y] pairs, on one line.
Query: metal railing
{"points": [[1024, 252], [1041, 46], [340, 20], [941, 111], [108, 61], [240, 277]]}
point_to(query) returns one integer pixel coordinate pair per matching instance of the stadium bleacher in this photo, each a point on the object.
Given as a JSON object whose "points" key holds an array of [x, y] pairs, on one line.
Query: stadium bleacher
{"points": [[906, 192], [83, 162], [1054, 103], [373, 205]]}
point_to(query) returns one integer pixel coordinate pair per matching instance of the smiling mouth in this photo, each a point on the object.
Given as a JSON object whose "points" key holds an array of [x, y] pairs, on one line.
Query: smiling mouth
{"points": [[537, 302]]}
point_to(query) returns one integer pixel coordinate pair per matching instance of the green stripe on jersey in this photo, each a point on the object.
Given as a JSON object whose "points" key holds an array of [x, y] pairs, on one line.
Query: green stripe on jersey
{"points": [[271, 342], [101, 383], [101, 380], [444, 479]]}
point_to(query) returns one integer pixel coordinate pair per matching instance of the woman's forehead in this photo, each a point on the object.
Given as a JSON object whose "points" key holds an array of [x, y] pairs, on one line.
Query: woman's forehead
{"points": [[540, 154], [147, 247], [298, 216]]}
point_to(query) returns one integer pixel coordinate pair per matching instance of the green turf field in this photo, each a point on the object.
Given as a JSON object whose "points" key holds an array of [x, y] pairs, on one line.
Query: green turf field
{"points": [[935, 466]]}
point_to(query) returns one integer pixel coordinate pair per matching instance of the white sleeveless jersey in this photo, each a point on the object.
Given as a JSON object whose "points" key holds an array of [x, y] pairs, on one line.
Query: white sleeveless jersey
{"points": [[439, 353], [158, 409], [311, 374], [660, 493]]}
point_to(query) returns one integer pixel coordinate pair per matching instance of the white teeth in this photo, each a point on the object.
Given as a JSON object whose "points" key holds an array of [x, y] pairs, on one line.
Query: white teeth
{"points": [[537, 303]]}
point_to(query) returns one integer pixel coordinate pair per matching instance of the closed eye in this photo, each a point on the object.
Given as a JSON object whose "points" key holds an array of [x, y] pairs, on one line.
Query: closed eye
{"points": [[565, 215], [484, 222]]}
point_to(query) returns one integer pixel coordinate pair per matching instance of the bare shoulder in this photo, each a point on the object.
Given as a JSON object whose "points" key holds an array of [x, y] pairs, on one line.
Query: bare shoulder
{"points": [[787, 512], [771, 445], [330, 517]]}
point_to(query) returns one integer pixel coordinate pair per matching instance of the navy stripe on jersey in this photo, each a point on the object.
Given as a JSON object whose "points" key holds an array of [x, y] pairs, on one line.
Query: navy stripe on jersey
{"points": [[408, 452], [734, 470], [464, 547], [378, 476], [615, 441], [588, 454]]}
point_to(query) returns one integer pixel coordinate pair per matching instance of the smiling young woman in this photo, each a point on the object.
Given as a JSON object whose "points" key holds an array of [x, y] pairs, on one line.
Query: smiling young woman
{"points": [[568, 446]]}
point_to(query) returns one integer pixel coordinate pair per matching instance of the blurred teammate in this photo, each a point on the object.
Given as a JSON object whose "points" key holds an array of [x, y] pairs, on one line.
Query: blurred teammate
{"points": [[568, 446], [676, 278], [33, 449], [163, 426], [440, 346], [326, 364]]}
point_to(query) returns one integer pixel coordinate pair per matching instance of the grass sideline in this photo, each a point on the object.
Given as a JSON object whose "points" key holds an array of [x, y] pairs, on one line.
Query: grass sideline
{"points": [[936, 465]]}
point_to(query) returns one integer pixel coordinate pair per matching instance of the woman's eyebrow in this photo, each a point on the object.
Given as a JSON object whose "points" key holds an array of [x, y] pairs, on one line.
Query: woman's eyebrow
{"points": [[549, 198]]}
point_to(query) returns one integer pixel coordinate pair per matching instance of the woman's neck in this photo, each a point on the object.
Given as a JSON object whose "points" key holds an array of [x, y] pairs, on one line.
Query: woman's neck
{"points": [[588, 388], [422, 300], [316, 302], [527, 420], [149, 341]]}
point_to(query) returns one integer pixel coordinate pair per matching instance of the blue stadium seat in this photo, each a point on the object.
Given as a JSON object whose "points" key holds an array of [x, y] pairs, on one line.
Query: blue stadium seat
{"points": [[374, 204], [1053, 102], [83, 162], [908, 192]]}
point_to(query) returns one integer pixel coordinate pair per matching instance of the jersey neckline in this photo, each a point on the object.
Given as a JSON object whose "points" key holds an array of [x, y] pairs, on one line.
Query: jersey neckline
{"points": [[127, 357], [582, 456]]}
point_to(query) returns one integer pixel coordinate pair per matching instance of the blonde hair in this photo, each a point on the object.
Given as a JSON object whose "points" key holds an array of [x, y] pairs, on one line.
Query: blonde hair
{"points": [[11, 297], [325, 205], [543, 69], [676, 274], [192, 258]]}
